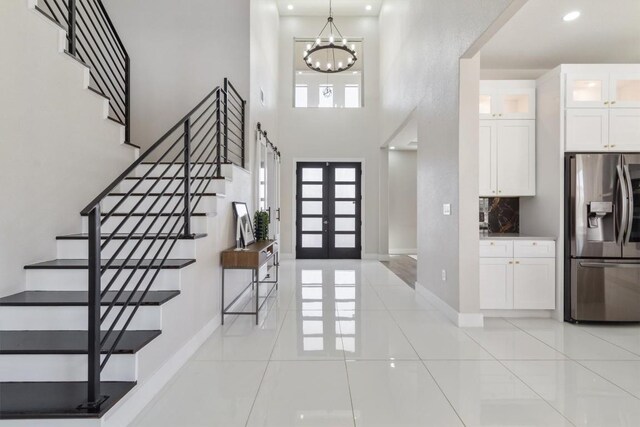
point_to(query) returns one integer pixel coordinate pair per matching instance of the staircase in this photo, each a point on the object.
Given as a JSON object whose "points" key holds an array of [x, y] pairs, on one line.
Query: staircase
{"points": [[90, 324]]}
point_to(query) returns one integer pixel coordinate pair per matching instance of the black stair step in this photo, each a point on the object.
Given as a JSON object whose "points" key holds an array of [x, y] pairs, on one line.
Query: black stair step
{"points": [[42, 400], [79, 264], [136, 236], [70, 342], [80, 298]]}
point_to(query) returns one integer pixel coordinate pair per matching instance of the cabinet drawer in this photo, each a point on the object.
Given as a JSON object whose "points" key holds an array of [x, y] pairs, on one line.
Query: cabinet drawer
{"points": [[534, 249], [496, 248]]}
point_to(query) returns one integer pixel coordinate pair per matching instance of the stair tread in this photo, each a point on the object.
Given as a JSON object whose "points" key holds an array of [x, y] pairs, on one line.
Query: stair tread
{"points": [[83, 264], [123, 236], [80, 298], [41, 400], [69, 342]]}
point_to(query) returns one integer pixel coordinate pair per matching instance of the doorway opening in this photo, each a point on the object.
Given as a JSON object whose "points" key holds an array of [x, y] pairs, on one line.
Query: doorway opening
{"points": [[328, 210]]}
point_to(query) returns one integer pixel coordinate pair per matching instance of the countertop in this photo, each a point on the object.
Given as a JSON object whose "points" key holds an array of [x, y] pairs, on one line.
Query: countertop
{"points": [[511, 236]]}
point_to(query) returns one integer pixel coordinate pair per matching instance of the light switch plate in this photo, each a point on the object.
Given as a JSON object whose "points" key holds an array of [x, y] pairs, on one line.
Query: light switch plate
{"points": [[446, 209]]}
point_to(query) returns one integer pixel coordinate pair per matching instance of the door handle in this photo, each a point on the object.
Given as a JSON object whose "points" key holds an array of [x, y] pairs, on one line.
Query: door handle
{"points": [[325, 222], [593, 264], [625, 205], [627, 174]]}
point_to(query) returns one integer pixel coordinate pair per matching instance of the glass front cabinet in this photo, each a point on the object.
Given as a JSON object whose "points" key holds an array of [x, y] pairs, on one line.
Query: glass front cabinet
{"points": [[507, 99]]}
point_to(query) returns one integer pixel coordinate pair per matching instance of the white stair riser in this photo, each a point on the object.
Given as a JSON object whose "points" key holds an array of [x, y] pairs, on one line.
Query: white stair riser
{"points": [[79, 249], [165, 204], [75, 318], [77, 280], [64, 367], [218, 186], [198, 224]]}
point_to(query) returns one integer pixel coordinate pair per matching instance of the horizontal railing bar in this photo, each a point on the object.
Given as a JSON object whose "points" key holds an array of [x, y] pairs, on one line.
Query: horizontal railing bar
{"points": [[151, 169], [142, 157], [233, 88], [236, 102], [239, 111], [234, 117], [150, 245], [116, 62], [95, 55], [112, 28], [107, 33]]}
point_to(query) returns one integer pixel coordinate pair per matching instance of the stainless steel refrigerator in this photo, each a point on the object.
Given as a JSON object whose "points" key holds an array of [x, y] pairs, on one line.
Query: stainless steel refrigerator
{"points": [[602, 272]]}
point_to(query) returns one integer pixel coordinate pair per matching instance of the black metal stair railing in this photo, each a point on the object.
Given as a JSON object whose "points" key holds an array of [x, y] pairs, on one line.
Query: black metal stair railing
{"points": [[93, 39], [152, 218]]}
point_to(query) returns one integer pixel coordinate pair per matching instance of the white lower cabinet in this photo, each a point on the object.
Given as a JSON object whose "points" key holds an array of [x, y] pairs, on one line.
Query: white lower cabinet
{"points": [[496, 283], [518, 282]]}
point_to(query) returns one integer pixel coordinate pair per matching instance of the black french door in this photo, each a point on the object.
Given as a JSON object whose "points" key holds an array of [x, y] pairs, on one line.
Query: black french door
{"points": [[328, 210]]}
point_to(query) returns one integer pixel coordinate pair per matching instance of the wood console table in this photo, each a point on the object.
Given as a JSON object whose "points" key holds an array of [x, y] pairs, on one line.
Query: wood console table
{"points": [[253, 257]]}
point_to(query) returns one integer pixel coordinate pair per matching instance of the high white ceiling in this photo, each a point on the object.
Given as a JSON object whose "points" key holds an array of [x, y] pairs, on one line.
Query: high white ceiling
{"points": [[321, 7], [607, 31]]}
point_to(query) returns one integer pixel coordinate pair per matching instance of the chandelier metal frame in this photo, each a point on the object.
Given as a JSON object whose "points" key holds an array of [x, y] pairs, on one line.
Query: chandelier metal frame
{"points": [[330, 47]]}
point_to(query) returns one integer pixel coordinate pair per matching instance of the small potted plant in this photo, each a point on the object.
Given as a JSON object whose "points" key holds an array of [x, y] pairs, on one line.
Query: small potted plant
{"points": [[261, 222]]}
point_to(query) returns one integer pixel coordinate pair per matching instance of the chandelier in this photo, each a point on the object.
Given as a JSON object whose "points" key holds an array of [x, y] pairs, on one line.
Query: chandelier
{"points": [[330, 53]]}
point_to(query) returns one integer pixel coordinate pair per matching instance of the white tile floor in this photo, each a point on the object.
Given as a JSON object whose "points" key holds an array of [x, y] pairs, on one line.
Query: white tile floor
{"points": [[347, 343]]}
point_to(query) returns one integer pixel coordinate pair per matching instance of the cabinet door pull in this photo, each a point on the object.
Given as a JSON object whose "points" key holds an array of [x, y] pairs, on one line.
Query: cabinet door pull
{"points": [[613, 102], [606, 102], [510, 262], [517, 262], [535, 243]]}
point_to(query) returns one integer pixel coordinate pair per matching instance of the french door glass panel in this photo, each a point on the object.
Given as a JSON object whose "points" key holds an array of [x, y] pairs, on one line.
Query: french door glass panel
{"points": [[328, 210]]}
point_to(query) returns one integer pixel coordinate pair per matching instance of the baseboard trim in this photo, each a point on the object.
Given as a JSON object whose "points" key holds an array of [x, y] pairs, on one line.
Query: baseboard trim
{"points": [[463, 320], [543, 314], [125, 412], [412, 251]]}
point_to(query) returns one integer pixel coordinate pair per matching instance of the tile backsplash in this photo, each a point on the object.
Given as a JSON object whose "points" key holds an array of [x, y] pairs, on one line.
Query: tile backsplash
{"points": [[500, 214]]}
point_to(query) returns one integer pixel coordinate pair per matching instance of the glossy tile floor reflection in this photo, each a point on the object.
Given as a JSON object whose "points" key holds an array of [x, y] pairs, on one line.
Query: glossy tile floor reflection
{"points": [[348, 343]]}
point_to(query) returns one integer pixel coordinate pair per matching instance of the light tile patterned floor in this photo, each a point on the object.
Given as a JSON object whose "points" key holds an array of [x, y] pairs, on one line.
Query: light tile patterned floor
{"points": [[347, 343]]}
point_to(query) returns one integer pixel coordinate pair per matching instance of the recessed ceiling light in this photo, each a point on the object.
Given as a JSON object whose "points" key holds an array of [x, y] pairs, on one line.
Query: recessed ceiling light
{"points": [[392, 148], [571, 16], [290, 7], [368, 7]]}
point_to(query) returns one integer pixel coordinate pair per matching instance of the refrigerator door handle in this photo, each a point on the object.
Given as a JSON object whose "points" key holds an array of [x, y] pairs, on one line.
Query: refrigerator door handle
{"points": [[593, 264], [625, 205], [629, 186]]}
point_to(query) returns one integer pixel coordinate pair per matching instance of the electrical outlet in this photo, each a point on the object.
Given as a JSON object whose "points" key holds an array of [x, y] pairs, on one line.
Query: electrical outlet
{"points": [[444, 275], [446, 209]]}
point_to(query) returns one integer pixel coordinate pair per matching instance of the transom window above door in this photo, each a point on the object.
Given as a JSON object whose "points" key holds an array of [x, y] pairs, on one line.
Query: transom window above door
{"points": [[313, 89]]}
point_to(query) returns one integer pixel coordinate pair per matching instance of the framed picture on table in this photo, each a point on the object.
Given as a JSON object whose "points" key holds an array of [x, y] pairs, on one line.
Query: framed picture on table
{"points": [[244, 229]]}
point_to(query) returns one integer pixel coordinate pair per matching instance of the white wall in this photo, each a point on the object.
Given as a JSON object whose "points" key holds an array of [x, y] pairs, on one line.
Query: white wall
{"points": [[179, 50], [403, 208], [57, 149], [543, 215], [327, 133], [421, 45]]}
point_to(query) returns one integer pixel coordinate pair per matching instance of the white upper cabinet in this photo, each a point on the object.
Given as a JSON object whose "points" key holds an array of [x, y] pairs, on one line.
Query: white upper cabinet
{"points": [[624, 90], [587, 129], [488, 178], [602, 107], [587, 90], [624, 129], [507, 99], [516, 163]]}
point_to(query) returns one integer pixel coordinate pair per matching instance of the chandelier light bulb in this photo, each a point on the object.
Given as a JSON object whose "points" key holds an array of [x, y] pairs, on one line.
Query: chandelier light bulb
{"points": [[329, 65], [318, 40], [350, 60], [339, 64], [331, 39], [344, 42], [353, 47], [308, 46], [318, 64]]}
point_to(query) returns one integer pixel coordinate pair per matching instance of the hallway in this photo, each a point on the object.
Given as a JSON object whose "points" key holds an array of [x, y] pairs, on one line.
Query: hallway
{"points": [[348, 343]]}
